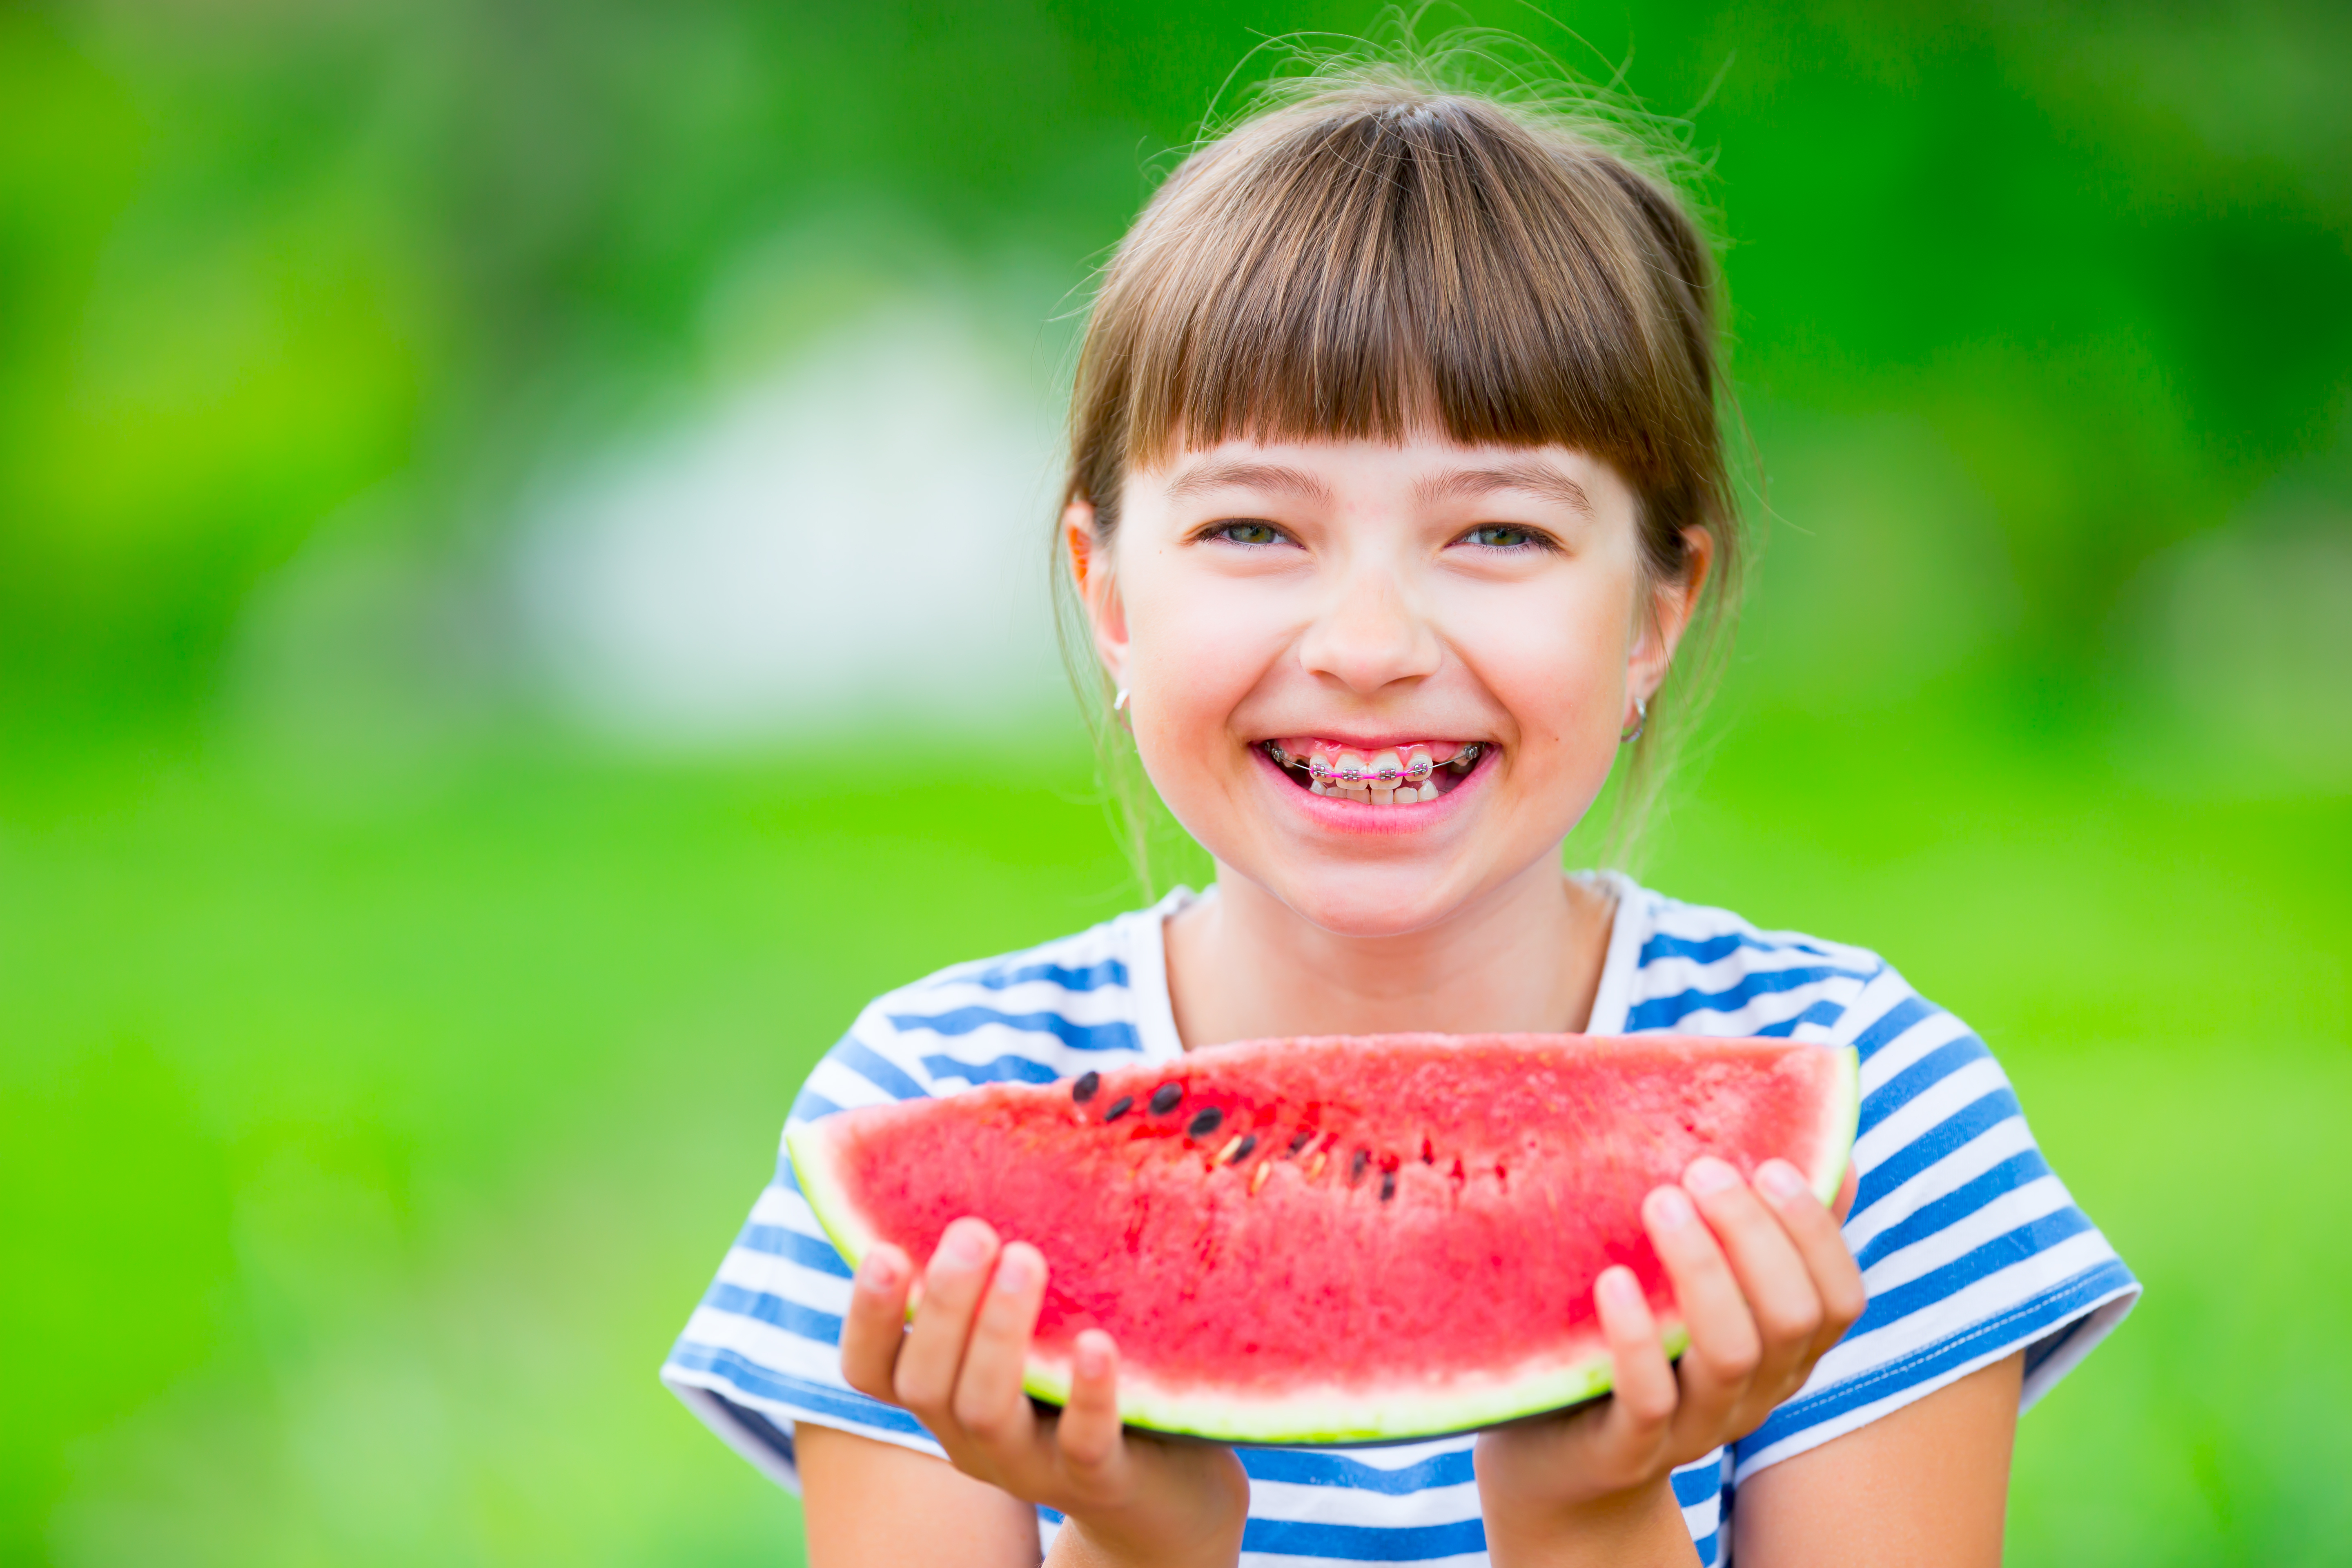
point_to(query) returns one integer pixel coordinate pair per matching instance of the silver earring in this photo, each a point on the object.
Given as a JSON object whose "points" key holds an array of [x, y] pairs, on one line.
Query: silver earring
{"points": [[1640, 722], [1118, 702]]}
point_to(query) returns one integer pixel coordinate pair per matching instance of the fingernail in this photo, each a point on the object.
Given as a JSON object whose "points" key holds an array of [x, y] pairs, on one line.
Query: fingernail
{"points": [[965, 1245], [1780, 1179], [1670, 1208], [1093, 1354], [1709, 1175], [1623, 1290], [1015, 1272], [877, 1273]]}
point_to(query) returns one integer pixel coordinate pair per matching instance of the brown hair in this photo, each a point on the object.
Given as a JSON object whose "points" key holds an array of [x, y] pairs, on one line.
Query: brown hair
{"points": [[1373, 254]]}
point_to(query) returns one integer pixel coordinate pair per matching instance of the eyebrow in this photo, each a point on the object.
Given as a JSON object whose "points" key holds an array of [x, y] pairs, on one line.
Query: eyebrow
{"points": [[1240, 474], [1535, 477]]}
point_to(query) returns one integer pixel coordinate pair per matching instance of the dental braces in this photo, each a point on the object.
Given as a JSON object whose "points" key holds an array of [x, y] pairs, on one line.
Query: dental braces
{"points": [[1414, 773]]}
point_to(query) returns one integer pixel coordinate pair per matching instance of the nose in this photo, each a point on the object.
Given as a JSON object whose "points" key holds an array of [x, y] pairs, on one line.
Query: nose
{"points": [[1370, 635]]}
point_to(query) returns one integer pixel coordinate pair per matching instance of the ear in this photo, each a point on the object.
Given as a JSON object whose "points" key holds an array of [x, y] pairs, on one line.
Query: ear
{"points": [[1089, 558], [1671, 605]]}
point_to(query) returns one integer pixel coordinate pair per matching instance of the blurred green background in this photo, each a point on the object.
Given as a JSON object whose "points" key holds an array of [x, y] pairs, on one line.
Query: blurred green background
{"points": [[480, 495]]}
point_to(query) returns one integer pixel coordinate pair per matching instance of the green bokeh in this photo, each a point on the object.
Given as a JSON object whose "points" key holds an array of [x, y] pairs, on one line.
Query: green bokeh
{"points": [[373, 1110]]}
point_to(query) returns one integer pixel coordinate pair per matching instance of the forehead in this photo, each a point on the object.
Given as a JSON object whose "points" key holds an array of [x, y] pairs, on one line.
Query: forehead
{"points": [[1430, 471]]}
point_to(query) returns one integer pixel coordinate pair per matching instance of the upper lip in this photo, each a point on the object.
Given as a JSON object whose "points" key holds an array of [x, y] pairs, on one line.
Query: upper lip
{"points": [[1379, 742]]}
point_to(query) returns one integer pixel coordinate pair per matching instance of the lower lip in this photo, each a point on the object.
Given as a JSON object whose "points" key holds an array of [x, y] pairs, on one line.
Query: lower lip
{"points": [[1342, 816]]}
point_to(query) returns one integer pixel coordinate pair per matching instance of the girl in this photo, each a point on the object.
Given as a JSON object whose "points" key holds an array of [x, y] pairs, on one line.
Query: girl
{"points": [[1395, 440]]}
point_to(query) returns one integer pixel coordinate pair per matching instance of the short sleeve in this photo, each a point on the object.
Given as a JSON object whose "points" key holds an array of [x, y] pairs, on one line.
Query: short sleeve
{"points": [[1971, 1246], [762, 1352]]}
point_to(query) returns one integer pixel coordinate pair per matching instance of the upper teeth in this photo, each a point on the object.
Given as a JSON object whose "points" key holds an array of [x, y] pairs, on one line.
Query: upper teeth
{"points": [[1387, 777]]}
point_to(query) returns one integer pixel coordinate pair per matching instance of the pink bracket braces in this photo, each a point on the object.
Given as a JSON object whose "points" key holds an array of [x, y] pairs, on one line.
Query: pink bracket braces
{"points": [[1324, 772]]}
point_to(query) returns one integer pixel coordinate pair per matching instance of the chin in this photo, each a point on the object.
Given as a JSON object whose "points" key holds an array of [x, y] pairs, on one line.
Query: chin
{"points": [[1366, 905]]}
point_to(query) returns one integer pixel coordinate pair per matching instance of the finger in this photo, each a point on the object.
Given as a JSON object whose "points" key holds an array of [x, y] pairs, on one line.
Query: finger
{"points": [[1641, 1380], [990, 1404], [1773, 1276], [1724, 1346], [1814, 1231], [1088, 1431], [875, 1325], [926, 1376]]}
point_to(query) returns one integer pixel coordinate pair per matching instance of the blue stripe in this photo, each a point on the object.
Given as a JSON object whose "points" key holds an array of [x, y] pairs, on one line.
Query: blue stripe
{"points": [[1003, 1070], [1957, 1131], [2026, 1321], [877, 1069], [2013, 1247], [1707, 1545], [810, 1106], [2043, 1349], [1914, 1079], [1115, 1035], [815, 1399], [1696, 1483], [1305, 1468], [1893, 1024], [776, 1439], [1093, 977], [808, 1251], [1825, 1014], [1665, 1011], [787, 1177], [1711, 949], [1364, 1543], [2025, 1165], [759, 1305]]}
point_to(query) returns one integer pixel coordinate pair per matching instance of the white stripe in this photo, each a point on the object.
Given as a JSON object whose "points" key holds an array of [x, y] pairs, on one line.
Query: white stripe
{"points": [[782, 1206], [1300, 1503], [1954, 1171], [847, 1087], [1921, 1114], [768, 1346], [2020, 1205], [766, 1272], [1931, 1033], [1975, 1302]]}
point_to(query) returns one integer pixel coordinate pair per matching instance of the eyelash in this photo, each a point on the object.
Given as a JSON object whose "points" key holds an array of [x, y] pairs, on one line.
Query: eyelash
{"points": [[1226, 530], [1529, 539]]}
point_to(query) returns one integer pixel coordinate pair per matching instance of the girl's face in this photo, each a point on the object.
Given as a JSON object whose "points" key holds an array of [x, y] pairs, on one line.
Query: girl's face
{"points": [[1475, 621]]}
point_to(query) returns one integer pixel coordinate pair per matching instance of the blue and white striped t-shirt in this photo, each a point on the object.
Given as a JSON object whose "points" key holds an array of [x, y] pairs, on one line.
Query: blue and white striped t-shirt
{"points": [[1971, 1246]]}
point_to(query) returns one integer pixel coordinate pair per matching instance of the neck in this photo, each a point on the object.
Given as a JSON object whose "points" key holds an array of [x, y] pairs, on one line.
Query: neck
{"points": [[1525, 957]]}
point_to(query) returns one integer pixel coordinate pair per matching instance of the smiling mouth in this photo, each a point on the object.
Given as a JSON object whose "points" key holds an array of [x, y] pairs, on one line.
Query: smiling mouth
{"points": [[1391, 775]]}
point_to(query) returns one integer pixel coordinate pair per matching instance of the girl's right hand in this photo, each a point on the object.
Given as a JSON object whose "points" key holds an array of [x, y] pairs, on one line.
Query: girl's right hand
{"points": [[1128, 1498]]}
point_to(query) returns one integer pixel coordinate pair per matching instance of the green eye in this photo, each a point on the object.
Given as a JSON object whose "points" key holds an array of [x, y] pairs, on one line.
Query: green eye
{"points": [[1250, 532], [1495, 536]]}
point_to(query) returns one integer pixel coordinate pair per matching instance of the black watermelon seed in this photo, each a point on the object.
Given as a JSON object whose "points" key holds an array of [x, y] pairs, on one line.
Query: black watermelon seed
{"points": [[1084, 1089], [1119, 1106], [1428, 1155], [1388, 1185], [1356, 1166], [1203, 1124], [1243, 1152], [1164, 1098], [1305, 1136]]}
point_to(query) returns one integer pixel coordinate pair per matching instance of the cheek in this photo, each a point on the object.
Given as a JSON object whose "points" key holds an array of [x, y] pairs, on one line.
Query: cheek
{"points": [[1195, 650], [1556, 661]]}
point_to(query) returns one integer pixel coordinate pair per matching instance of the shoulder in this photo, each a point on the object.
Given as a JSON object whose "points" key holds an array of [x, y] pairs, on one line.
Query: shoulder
{"points": [[1033, 1015], [1695, 969]]}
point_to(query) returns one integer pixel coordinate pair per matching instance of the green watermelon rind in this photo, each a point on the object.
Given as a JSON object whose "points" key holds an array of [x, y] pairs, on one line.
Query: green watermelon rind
{"points": [[1337, 1417]]}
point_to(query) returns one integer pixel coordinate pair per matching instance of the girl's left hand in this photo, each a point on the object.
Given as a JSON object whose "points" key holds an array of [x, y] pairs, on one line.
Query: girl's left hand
{"points": [[1766, 1286]]}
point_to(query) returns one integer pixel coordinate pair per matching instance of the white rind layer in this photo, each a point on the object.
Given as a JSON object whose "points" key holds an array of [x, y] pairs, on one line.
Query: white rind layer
{"points": [[1370, 1414]]}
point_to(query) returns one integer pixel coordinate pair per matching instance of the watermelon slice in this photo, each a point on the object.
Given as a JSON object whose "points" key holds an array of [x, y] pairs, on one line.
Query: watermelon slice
{"points": [[1341, 1239]]}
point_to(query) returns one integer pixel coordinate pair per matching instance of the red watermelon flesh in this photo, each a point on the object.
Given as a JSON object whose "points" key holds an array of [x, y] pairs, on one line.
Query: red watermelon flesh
{"points": [[1335, 1239]]}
